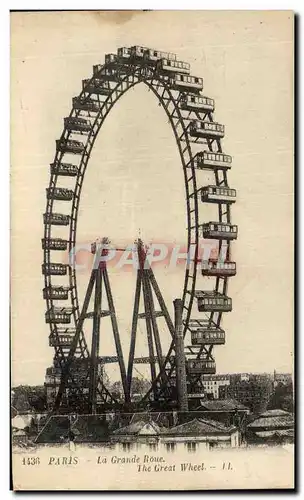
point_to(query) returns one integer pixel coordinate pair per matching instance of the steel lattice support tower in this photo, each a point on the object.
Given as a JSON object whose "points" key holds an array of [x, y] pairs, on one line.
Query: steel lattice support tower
{"points": [[146, 286], [99, 280]]}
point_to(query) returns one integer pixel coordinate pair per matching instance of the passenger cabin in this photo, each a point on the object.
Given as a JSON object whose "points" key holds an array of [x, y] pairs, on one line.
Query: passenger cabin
{"points": [[59, 315], [199, 324], [62, 194], [67, 331], [69, 146], [124, 53], [54, 244], [110, 58], [137, 52], [64, 169], [212, 130], [104, 73], [56, 219], [155, 55], [217, 268], [56, 292], [219, 230], [86, 104], [199, 394], [60, 341], [218, 194], [76, 124], [196, 103], [96, 69], [212, 336], [213, 302], [55, 269], [186, 82], [96, 86], [110, 75], [200, 366], [169, 66], [212, 161]]}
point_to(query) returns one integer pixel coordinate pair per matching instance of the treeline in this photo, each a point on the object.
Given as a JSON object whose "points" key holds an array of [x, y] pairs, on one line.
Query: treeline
{"points": [[25, 398], [282, 397], [28, 397]]}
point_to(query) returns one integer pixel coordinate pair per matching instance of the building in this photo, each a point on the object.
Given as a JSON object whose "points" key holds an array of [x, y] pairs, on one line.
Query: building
{"points": [[20, 400], [228, 411], [73, 427], [273, 426], [152, 431], [20, 428], [199, 434], [196, 434], [19, 436], [139, 433], [212, 384], [22, 421]]}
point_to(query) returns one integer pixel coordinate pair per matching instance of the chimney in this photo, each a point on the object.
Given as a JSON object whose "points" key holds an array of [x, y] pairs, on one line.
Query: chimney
{"points": [[181, 380]]}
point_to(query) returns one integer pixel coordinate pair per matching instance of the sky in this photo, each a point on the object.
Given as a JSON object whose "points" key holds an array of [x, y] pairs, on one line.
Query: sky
{"points": [[134, 181]]}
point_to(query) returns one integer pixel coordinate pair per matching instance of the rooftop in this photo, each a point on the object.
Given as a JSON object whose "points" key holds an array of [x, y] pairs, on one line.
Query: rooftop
{"points": [[283, 433], [222, 405], [217, 376], [273, 419], [199, 427], [139, 428], [277, 412]]}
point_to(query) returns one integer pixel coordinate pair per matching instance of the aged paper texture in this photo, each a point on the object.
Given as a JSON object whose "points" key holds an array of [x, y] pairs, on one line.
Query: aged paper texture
{"points": [[152, 250]]}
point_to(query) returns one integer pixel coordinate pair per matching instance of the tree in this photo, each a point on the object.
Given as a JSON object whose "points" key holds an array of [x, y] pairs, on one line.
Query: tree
{"points": [[26, 398], [282, 397], [117, 389], [140, 386]]}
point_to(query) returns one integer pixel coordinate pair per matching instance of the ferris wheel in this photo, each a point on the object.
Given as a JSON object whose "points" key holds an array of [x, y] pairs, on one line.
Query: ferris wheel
{"points": [[198, 138]]}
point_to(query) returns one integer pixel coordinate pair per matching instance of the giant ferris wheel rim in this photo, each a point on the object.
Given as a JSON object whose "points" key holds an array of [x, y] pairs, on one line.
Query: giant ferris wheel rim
{"points": [[126, 79]]}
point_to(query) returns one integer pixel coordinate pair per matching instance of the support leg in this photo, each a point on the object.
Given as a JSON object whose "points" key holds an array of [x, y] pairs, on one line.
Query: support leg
{"points": [[133, 332]]}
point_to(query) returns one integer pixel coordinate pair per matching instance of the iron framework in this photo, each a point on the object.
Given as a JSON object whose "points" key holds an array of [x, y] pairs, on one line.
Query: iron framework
{"points": [[198, 139]]}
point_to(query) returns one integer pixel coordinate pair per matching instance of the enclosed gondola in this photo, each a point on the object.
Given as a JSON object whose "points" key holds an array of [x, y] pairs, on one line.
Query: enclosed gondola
{"points": [[86, 104], [218, 194], [171, 66], [54, 243], [56, 219], [70, 146], [213, 301], [196, 103], [200, 366], [77, 124], [56, 292], [199, 128], [219, 231], [61, 194], [212, 161], [54, 268], [209, 336], [186, 82], [96, 86], [64, 169], [218, 268], [58, 315]]}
